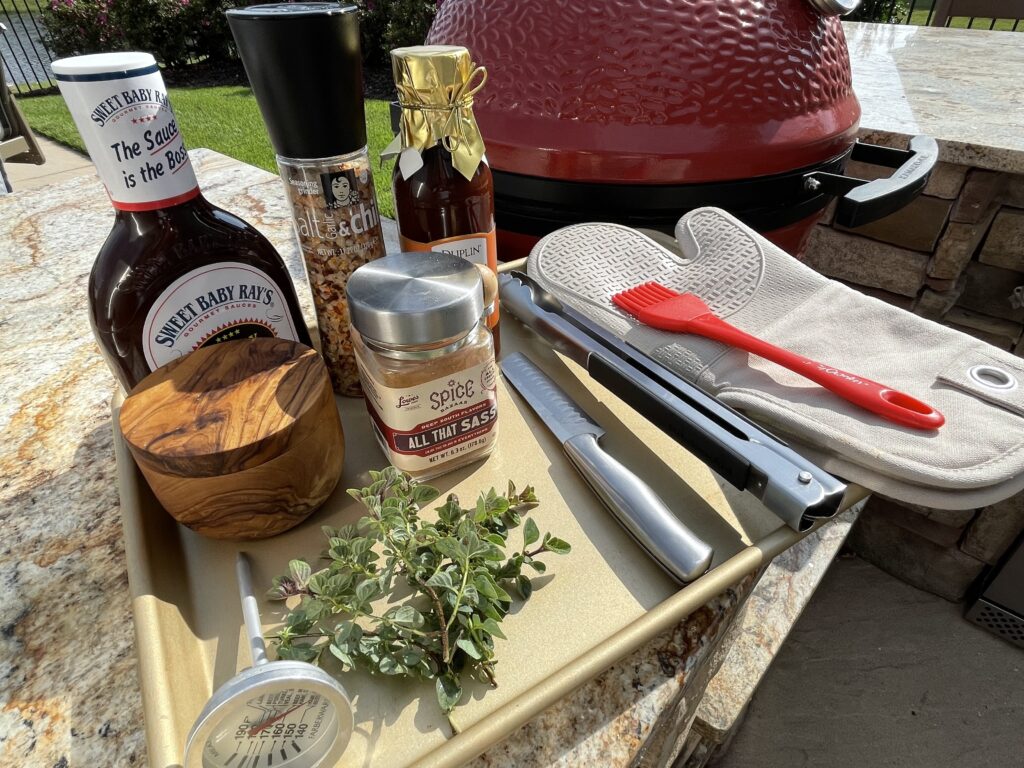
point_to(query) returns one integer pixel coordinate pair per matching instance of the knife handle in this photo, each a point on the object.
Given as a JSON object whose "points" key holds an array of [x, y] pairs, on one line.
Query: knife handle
{"points": [[640, 511]]}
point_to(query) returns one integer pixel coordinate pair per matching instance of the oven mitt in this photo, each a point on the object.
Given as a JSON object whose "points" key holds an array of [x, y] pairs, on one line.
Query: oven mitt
{"points": [[973, 460]]}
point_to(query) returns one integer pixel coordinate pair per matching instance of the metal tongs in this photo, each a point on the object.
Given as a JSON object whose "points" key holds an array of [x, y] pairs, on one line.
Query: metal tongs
{"points": [[746, 456]]}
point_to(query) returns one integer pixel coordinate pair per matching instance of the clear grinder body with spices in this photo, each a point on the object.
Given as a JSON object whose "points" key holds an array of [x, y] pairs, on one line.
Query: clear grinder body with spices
{"points": [[304, 63], [426, 360]]}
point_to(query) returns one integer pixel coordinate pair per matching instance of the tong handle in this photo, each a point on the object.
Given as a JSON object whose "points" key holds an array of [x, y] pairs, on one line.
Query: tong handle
{"points": [[640, 511]]}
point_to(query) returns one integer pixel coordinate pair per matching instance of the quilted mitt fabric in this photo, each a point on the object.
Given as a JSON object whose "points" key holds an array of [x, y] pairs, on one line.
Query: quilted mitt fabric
{"points": [[975, 459]]}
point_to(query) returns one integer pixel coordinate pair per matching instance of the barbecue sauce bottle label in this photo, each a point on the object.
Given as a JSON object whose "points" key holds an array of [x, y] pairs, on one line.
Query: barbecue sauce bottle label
{"points": [[133, 137], [222, 302]]}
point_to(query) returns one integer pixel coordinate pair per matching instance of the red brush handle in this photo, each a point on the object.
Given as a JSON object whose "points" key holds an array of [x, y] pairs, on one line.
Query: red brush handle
{"points": [[877, 398]]}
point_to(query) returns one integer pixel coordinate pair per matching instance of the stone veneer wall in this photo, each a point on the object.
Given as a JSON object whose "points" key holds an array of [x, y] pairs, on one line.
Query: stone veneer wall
{"points": [[955, 255]]}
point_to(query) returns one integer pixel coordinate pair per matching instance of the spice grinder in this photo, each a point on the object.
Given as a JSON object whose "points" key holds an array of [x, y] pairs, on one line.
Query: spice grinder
{"points": [[305, 67]]}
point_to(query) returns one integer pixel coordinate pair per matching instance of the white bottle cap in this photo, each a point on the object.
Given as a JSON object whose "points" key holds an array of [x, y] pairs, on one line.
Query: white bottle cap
{"points": [[119, 104], [102, 63]]}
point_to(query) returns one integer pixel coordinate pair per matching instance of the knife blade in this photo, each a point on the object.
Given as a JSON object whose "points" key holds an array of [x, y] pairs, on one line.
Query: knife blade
{"points": [[638, 509]]}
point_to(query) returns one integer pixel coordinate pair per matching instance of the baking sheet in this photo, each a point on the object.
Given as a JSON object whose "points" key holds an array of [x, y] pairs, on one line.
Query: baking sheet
{"points": [[592, 607]]}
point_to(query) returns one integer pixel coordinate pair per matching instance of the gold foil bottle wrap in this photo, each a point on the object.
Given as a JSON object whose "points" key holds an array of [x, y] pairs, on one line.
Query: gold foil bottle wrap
{"points": [[436, 85]]}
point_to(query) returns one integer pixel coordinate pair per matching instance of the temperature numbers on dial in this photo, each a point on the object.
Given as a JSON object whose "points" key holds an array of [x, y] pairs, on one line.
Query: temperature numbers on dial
{"points": [[275, 730]]}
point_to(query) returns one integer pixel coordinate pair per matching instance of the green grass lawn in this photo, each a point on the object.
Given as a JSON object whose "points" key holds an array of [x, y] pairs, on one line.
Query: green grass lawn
{"points": [[224, 118]]}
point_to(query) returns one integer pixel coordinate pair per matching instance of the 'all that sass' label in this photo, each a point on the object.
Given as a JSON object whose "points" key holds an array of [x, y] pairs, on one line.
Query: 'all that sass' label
{"points": [[219, 302], [427, 425], [132, 135]]}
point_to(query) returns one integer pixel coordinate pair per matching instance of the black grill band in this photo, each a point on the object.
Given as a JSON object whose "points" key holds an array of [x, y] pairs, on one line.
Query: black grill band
{"points": [[533, 205]]}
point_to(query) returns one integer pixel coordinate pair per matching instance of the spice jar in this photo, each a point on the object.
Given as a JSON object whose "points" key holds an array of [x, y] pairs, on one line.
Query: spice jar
{"points": [[443, 189], [305, 67], [426, 360]]}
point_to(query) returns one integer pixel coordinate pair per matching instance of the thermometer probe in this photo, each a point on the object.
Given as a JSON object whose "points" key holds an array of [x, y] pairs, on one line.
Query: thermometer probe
{"points": [[275, 714]]}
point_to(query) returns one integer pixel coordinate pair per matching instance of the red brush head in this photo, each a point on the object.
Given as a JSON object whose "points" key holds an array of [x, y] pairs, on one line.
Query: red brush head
{"points": [[655, 305]]}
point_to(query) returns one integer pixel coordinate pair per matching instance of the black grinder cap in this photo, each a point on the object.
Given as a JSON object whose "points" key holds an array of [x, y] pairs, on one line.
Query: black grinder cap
{"points": [[306, 69]]}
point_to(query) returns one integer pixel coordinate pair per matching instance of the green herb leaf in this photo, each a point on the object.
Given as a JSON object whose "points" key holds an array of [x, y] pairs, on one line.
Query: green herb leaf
{"points": [[469, 647], [298, 652], [367, 590], [424, 494], [406, 616], [558, 546], [449, 691], [530, 532], [492, 627], [300, 572], [443, 580], [524, 587], [348, 633], [342, 655]]}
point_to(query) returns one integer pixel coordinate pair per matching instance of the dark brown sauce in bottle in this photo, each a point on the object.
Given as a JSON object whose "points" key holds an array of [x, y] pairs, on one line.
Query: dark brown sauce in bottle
{"points": [[176, 273], [437, 203], [147, 251]]}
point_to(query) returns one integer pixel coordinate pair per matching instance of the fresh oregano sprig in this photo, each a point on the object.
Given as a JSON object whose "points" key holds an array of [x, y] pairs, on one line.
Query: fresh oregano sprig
{"points": [[457, 566]]}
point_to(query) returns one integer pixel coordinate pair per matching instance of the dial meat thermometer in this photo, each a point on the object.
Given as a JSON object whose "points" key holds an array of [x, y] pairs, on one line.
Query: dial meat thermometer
{"points": [[275, 714]]}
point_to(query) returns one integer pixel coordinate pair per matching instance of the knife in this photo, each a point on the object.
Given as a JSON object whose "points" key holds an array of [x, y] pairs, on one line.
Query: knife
{"points": [[637, 508], [744, 454]]}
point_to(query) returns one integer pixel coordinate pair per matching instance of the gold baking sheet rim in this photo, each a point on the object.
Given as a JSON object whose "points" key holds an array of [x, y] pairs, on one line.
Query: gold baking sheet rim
{"points": [[188, 623]]}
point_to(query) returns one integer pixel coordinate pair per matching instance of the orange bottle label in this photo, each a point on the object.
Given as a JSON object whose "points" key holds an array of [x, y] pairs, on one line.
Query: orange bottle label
{"points": [[480, 248]]}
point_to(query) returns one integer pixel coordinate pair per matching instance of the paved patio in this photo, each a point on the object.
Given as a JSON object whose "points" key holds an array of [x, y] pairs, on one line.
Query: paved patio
{"points": [[878, 673], [61, 163]]}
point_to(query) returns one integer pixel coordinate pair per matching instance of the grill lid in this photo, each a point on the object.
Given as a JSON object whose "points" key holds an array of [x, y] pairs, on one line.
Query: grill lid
{"points": [[673, 92]]}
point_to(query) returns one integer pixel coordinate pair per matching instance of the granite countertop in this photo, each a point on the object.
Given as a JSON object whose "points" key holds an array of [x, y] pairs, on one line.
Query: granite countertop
{"points": [[960, 86], [68, 683]]}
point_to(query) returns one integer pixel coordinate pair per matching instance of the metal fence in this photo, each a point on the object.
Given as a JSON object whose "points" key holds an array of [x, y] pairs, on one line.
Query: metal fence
{"points": [[23, 50], [922, 12]]}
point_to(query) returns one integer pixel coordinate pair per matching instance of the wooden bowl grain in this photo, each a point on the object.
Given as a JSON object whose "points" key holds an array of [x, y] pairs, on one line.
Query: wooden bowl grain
{"points": [[241, 440]]}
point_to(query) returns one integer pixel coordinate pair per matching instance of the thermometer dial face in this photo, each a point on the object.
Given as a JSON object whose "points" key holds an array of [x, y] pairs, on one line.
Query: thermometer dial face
{"points": [[281, 714], [289, 728]]}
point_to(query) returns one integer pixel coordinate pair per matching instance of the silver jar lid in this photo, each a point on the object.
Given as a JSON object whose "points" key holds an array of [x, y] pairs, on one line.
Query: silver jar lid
{"points": [[414, 299]]}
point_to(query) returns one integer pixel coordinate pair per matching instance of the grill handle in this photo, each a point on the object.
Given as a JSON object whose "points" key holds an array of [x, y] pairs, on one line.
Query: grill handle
{"points": [[862, 201]]}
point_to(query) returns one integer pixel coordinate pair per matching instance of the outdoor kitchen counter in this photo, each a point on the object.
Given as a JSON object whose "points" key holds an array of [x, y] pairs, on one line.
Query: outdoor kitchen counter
{"points": [[960, 86], [68, 681], [69, 688]]}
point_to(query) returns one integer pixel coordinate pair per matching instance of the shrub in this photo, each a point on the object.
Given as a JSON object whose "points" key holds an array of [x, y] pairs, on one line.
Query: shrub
{"points": [[387, 24], [178, 31], [175, 31], [882, 11], [82, 26]]}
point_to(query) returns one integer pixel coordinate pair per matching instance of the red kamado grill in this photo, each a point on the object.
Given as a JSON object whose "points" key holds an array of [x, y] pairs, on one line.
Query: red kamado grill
{"points": [[637, 111]]}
